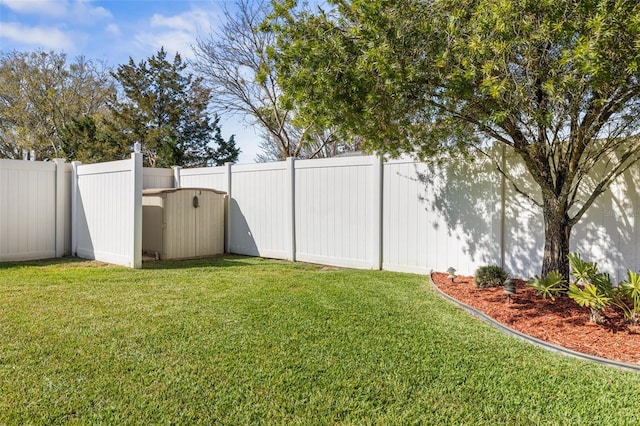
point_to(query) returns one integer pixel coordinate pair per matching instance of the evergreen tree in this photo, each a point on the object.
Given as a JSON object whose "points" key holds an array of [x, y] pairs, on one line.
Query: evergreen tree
{"points": [[86, 139], [165, 109], [227, 151]]}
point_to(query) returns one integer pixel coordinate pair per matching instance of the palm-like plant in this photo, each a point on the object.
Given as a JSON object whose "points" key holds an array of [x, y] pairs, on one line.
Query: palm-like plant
{"points": [[592, 298], [631, 290], [597, 292], [581, 270], [549, 286]]}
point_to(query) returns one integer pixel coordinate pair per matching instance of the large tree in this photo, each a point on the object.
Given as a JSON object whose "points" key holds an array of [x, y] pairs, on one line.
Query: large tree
{"points": [[166, 109], [556, 81], [88, 139], [237, 64], [41, 93]]}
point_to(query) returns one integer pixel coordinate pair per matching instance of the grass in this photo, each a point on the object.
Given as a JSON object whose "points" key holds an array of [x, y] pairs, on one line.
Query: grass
{"points": [[250, 341]]}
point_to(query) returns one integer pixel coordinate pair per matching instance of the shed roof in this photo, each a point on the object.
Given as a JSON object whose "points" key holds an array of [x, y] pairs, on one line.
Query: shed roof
{"points": [[157, 191]]}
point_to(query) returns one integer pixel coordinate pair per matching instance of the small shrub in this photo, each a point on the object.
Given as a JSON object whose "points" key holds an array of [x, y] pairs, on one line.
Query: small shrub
{"points": [[549, 286], [489, 276]]}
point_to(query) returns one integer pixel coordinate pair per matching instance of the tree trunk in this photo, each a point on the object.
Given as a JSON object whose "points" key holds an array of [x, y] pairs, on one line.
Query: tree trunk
{"points": [[557, 233]]}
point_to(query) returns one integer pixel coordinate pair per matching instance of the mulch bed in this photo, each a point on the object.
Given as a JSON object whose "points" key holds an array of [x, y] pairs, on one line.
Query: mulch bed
{"points": [[561, 322]]}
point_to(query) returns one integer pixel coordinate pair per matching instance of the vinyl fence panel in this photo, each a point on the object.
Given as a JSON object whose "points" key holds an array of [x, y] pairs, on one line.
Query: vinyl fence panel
{"points": [[334, 217], [609, 232], [439, 217], [157, 178], [523, 222], [204, 177], [63, 196], [28, 210], [259, 210], [108, 212]]}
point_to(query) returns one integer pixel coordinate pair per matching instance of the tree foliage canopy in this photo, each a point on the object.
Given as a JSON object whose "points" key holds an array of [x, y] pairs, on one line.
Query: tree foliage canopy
{"points": [[41, 94], [87, 139], [165, 109], [554, 80]]}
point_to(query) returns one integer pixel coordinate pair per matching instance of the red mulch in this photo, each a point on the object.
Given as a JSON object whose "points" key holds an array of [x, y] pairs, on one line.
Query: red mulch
{"points": [[562, 322]]}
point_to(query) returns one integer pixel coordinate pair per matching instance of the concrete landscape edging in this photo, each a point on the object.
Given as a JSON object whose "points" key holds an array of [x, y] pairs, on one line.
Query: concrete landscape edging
{"points": [[532, 340]]}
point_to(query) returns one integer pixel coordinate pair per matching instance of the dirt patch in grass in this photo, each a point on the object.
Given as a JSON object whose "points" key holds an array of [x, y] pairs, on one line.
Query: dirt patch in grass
{"points": [[562, 322]]}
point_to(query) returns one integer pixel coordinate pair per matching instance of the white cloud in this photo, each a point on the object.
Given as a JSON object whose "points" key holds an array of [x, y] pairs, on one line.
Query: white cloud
{"points": [[37, 7], [80, 10], [44, 37], [175, 33], [191, 21], [113, 29], [172, 41]]}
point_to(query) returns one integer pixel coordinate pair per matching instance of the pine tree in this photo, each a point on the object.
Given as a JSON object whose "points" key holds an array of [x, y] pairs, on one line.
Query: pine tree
{"points": [[86, 139], [166, 110], [227, 151]]}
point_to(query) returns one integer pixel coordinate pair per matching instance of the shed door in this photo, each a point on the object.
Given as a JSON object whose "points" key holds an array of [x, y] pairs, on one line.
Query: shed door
{"points": [[209, 223], [194, 231], [180, 230]]}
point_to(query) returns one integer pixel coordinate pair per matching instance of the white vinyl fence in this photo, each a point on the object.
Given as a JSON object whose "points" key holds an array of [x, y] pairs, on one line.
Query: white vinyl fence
{"points": [[260, 209], [34, 209], [436, 219], [358, 212], [204, 177], [406, 216], [107, 211], [337, 211], [158, 178], [610, 230]]}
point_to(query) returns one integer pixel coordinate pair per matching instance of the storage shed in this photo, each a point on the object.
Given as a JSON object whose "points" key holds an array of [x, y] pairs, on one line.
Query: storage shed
{"points": [[180, 223]]}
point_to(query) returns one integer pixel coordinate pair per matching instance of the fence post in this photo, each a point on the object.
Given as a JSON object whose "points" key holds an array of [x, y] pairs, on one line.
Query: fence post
{"points": [[74, 207], [376, 201], [176, 176], [291, 213], [227, 219], [137, 175], [503, 207], [61, 230]]}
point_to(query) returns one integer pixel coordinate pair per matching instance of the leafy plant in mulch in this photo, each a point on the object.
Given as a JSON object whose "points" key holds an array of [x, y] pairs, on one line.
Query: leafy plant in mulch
{"points": [[489, 276], [550, 286], [631, 291], [595, 291]]}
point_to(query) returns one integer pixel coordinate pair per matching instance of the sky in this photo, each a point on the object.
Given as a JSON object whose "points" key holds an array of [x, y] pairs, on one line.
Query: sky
{"points": [[116, 30]]}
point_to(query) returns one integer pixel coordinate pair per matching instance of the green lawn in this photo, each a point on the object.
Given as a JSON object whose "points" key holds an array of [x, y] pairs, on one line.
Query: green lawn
{"points": [[250, 341]]}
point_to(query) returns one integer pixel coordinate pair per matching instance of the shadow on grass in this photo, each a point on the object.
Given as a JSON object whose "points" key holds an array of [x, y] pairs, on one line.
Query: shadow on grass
{"points": [[212, 262], [224, 261], [67, 260]]}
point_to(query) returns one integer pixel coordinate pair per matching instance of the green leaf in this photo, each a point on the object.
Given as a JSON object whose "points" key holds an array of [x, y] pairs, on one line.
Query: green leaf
{"points": [[548, 286], [631, 289], [581, 270], [588, 297]]}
